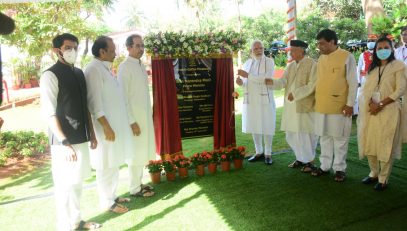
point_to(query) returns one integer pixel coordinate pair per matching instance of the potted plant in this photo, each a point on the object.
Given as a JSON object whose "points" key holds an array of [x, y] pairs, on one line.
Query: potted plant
{"points": [[169, 168], [154, 168], [237, 155], [182, 164], [198, 161], [225, 158], [213, 160]]}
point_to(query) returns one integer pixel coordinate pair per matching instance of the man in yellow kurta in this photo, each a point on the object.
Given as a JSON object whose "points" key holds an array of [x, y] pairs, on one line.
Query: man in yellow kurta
{"points": [[335, 94], [298, 117]]}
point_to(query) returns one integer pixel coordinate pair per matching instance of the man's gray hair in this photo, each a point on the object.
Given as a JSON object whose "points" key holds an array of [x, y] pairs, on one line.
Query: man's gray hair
{"points": [[254, 42], [129, 40]]}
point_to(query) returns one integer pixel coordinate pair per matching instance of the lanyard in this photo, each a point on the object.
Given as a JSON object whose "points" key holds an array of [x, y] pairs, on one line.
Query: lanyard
{"points": [[381, 74]]}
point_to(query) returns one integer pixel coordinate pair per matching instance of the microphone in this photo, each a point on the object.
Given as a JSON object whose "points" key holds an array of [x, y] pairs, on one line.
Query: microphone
{"points": [[6, 24]]}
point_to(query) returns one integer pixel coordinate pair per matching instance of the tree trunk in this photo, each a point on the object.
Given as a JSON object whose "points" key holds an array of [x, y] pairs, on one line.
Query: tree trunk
{"points": [[371, 8]]}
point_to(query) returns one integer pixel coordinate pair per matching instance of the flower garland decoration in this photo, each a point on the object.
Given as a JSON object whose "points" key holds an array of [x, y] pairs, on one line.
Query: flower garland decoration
{"points": [[184, 45]]}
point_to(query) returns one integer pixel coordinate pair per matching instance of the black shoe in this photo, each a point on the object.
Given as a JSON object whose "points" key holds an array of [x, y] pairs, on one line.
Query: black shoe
{"points": [[268, 161], [369, 180], [256, 157], [380, 187], [296, 164]]}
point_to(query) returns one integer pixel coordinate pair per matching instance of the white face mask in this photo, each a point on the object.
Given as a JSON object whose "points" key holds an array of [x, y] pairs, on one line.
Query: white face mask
{"points": [[70, 56], [108, 64], [370, 45]]}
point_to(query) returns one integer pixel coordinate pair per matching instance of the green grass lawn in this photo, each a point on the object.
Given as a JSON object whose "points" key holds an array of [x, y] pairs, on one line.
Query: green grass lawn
{"points": [[258, 197]]}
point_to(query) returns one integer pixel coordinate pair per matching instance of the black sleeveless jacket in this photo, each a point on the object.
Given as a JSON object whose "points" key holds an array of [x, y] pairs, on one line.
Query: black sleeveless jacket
{"points": [[72, 107]]}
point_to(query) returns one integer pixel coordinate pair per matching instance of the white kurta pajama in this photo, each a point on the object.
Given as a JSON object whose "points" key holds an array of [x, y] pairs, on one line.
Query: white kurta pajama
{"points": [[401, 53], [379, 136], [67, 176], [133, 80], [259, 108], [334, 129], [299, 126], [105, 98]]}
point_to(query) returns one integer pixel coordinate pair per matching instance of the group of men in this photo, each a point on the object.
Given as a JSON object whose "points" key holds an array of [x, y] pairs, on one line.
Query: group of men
{"points": [[95, 109], [318, 102]]}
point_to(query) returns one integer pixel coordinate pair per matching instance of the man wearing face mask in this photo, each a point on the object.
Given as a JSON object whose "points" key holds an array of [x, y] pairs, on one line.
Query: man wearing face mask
{"points": [[365, 59], [259, 108], [64, 105], [401, 52], [106, 104], [133, 79]]}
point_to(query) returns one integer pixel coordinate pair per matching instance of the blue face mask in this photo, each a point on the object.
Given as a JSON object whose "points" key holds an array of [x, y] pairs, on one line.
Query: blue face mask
{"points": [[383, 54]]}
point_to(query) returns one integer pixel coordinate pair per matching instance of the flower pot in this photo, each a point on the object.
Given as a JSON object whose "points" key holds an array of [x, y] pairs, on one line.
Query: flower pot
{"points": [[155, 177], [170, 176], [225, 165], [34, 82], [238, 163], [212, 167], [182, 172], [27, 85], [200, 170]]}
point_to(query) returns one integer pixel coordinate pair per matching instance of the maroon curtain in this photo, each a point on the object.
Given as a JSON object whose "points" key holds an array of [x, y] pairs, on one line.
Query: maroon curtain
{"points": [[224, 118], [165, 108]]}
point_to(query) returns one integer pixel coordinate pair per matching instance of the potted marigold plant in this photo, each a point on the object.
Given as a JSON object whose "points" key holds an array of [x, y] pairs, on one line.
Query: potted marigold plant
{"points": [[182, 164], [213, 160], [169, 168], [154, 168], [225, 158]]}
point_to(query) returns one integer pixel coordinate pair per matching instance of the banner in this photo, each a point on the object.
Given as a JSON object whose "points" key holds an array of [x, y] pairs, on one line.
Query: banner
{"points": [[195, 82]]}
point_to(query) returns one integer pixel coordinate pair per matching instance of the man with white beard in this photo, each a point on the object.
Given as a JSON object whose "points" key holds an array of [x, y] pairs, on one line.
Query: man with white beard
{"points": [[259, 108]]}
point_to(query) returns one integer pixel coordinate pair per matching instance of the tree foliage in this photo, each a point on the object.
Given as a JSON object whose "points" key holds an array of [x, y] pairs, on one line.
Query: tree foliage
{"points": [[267, 27], [395, 18], [351, 9], [38, 23]]}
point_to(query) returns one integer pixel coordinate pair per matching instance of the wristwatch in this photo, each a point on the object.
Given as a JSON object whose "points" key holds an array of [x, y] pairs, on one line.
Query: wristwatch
{"points": [[65, 142], [381, 104]]}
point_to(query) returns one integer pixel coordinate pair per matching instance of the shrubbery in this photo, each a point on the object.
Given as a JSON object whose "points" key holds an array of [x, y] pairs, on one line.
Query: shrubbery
{"points": [[22, 143]]}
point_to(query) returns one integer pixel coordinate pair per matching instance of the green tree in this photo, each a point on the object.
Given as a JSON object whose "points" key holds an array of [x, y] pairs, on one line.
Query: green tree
{"points": [[395, 17], [351, 9], [309, 27], [38, 23], [349, 29], [267, 27]]}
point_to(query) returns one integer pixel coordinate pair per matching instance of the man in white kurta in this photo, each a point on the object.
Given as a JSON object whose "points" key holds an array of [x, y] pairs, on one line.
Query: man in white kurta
{"points": [[106, 104], [259, 109], [133, 80], [335, 93], [401, 52], [64, 105], [298, 118]]}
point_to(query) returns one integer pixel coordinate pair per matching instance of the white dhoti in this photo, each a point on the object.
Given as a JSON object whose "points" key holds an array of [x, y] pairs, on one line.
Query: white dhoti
{"points": [[68, 178], [334, 130], [135, 176], [303, 145], [107, 180], [258, 144]]}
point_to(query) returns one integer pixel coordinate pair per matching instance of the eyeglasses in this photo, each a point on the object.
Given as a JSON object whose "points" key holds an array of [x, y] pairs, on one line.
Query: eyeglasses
{"points": [[405, 34]]}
